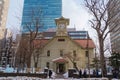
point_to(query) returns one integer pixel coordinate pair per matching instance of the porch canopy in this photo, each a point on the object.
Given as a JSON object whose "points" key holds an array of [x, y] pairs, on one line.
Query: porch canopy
{"points": [[59, 60]]}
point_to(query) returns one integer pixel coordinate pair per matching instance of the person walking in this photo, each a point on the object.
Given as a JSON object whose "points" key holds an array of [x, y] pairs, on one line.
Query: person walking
{"points": [[94, 73], [97, 73], [84, 74], [50, 73], [80, 73]]}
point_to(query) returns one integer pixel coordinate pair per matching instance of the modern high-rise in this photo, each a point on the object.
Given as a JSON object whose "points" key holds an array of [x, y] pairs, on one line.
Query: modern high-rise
{"points": [[115, 25], [44, 11]]}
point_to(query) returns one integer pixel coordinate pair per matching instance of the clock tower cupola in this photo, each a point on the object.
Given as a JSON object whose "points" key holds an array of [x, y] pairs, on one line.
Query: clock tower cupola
{"points": [[61, 24]]}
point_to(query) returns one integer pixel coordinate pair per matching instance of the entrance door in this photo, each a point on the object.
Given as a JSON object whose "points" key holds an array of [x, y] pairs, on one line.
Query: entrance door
{"points": [[61, 67]]}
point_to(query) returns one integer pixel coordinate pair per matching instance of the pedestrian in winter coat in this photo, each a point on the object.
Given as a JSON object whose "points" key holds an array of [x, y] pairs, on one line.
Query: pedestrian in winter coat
{"points": [[84, 74], [80, 73], [50, 73]]}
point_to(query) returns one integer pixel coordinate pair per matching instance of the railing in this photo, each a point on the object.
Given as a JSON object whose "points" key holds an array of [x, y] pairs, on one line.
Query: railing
{"points": [[40, 75]]}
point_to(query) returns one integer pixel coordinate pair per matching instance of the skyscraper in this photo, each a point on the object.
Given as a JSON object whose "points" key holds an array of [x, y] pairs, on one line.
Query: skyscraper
{"points": [[44, 10], [115, 24]]}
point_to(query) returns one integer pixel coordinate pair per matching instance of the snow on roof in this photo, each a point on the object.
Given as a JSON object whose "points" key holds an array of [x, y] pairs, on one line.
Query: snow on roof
{"points": [[59, 59]]}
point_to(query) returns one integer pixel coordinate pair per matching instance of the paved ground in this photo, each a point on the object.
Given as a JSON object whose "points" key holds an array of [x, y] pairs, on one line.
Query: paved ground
{"points": [[59, 76]]}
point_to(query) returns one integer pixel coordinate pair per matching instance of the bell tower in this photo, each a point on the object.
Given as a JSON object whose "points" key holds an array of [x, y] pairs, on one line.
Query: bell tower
{"points": [[62, 24]]}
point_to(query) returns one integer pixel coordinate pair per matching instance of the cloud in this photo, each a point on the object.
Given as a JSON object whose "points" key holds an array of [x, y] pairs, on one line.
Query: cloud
{"points": [[74, 10]]}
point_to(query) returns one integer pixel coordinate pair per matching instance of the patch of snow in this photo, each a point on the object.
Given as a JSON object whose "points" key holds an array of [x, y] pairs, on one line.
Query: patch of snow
{"points": [[65, 75], [9, 70], [115, 79], [53, 74], [57, 59]]}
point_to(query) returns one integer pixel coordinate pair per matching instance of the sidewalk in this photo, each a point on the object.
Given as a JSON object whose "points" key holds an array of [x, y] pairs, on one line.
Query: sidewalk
{"points": [[59, 76]]}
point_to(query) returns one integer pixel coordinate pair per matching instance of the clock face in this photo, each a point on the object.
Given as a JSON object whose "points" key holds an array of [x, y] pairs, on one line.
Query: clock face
{"points": [[62, 26]]}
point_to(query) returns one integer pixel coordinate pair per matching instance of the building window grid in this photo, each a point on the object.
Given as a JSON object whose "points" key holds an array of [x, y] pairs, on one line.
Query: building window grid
{"points": [[54, 6], [70, 33]]}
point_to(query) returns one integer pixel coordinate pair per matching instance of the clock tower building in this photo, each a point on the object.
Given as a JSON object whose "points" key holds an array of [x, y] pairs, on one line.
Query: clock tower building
{"points": [[62, 24]]}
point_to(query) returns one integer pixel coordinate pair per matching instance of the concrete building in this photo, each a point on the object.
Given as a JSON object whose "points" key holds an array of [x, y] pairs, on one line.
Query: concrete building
{"points": [[115, 25], [4, 5], [6, 53], [1, 9], [56, 52]]}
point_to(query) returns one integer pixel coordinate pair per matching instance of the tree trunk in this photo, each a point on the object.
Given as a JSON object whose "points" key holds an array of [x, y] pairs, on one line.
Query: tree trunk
{"points": [[102, 58], [30, 53], [35, 64], [75, 66]]}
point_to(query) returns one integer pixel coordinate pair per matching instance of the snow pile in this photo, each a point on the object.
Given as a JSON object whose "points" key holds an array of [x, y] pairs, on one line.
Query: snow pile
{"points": [[53, 75], [115, 79], [8, 69], [19, 78], [57, 59], [65, 75]]}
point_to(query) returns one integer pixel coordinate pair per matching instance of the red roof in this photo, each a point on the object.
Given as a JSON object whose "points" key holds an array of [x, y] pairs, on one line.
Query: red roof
{"points": [[83, 43], [59, 60], [38, 42]]}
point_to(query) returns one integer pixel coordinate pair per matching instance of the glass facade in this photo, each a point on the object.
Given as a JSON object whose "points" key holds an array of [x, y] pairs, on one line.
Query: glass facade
{"points": [[44, 11]]}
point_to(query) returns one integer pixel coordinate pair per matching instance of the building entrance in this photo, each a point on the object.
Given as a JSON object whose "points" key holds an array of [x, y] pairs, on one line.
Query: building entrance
{"points": [[60, 67]]}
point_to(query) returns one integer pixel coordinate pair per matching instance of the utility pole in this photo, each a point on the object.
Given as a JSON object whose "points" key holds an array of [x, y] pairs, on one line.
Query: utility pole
{"points": [[87, 53]]}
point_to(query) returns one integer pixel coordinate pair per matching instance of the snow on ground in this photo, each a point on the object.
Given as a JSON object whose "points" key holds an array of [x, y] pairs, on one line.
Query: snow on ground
{"points": [[35, 78], [65, 75], [115, 79], [19, 78], [53, 75]]}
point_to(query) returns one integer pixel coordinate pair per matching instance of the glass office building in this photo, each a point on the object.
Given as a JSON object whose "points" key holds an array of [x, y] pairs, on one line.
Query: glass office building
{"points": [[44, 11]]}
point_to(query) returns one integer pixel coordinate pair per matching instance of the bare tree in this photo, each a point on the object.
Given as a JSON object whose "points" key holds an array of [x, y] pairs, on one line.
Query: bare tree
{"points": [[38, 47], [22, 53], [32, 27], [100, 23], [73, 59]]}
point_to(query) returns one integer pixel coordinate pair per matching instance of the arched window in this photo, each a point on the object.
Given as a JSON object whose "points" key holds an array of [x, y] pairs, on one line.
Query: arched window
{"points": [[47, 64], [61, 53], [86, 53], [74, 53], [48, 53]]}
